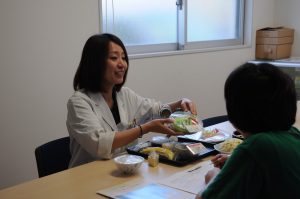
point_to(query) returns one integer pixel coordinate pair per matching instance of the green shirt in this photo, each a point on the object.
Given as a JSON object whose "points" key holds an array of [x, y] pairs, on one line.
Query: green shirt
{"points": [[266, 165]]}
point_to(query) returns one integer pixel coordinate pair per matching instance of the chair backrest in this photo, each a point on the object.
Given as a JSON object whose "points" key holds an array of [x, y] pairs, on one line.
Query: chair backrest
{"points": [[53, 156], [214, 120]]}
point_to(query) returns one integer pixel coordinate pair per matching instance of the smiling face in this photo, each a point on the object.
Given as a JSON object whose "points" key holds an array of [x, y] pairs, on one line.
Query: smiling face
{"points": [[116, 66]]}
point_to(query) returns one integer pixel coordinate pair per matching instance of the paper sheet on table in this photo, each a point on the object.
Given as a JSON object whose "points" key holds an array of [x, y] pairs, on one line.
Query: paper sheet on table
{"points": [[190, 180], [223, 127], [137, 189]]}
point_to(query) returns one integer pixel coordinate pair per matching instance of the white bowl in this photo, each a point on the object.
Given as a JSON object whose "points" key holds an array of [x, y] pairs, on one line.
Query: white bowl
{"points": [[128, 164]]}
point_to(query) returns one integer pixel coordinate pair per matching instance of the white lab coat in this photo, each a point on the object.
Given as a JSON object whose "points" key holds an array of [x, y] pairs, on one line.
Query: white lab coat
{"points": [[91, 125]]}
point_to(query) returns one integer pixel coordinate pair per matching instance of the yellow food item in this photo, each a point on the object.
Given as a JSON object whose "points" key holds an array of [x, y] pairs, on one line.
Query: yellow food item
{"points": [[161, 151], [228, 145], [153, 159]]}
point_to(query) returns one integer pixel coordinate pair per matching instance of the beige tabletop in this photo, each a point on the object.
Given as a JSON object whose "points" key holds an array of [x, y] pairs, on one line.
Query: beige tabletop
{"points": [[84, 181]]}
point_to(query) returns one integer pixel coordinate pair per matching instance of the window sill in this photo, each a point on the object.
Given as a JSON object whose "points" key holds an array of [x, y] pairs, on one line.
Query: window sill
{"points": [[182, 52]]}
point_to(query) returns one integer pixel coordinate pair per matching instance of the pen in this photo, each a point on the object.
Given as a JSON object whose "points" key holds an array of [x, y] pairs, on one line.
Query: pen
{"points": [[195, 169]]}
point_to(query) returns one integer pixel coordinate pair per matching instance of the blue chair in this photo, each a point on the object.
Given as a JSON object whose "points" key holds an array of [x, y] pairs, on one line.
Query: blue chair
{"points": [[214, 120], [53, 156]]}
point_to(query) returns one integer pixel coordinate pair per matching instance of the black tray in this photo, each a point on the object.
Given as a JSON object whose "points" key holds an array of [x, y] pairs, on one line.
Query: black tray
{"points": [[180, 162]]}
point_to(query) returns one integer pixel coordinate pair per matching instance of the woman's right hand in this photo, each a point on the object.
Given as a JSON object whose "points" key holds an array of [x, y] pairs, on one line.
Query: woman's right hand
{"points": [[219, 160], [160, 126]]}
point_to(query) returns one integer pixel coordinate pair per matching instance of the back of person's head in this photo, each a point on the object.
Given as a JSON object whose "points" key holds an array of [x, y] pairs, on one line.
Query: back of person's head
{"points": [[91, 70], [260, 98]]}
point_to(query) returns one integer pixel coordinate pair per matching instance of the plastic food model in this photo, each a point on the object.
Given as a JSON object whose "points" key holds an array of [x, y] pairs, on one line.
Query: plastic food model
{"points": [[185, 122]]}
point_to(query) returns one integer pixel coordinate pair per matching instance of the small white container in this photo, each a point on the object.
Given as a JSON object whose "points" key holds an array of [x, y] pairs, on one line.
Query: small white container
{"points": [[128, 164]]}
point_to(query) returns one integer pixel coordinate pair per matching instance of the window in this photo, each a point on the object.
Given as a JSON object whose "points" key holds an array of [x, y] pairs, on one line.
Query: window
{"points": [[168, 25]]}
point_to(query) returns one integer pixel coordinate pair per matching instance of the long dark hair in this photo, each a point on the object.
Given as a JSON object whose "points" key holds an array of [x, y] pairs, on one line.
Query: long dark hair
{"points": [[91, 70]]}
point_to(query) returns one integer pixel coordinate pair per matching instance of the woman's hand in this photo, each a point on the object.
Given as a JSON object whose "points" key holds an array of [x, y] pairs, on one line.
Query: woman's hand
{"points": [[160, 126], [219, 160], [188, 105], [185, 104]]}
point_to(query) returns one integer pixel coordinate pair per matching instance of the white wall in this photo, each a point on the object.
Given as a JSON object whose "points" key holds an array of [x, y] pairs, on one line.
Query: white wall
{"points": [[41, 43], [287, 14]]}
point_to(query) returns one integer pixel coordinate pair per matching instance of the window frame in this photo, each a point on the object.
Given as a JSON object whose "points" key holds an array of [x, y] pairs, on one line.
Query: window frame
{"points": [[184, 47]]}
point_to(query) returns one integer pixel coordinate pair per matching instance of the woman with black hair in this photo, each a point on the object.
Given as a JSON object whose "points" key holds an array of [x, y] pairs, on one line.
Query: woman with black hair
{"points": [[261, 104], [103, 116]]}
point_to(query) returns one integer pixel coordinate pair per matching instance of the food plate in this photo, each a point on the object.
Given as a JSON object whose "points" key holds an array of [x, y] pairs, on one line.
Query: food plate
{"points": [[177, 161], [217, 135], [159, 140], [228, 145]]}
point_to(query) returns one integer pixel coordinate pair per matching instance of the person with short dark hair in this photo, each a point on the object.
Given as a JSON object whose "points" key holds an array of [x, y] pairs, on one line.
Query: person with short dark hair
{"points": [[103, 116], [261, 104]]}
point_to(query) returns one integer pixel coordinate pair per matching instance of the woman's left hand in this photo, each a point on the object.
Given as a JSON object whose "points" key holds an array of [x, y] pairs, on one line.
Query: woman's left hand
{"points": [[188, 105]]}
